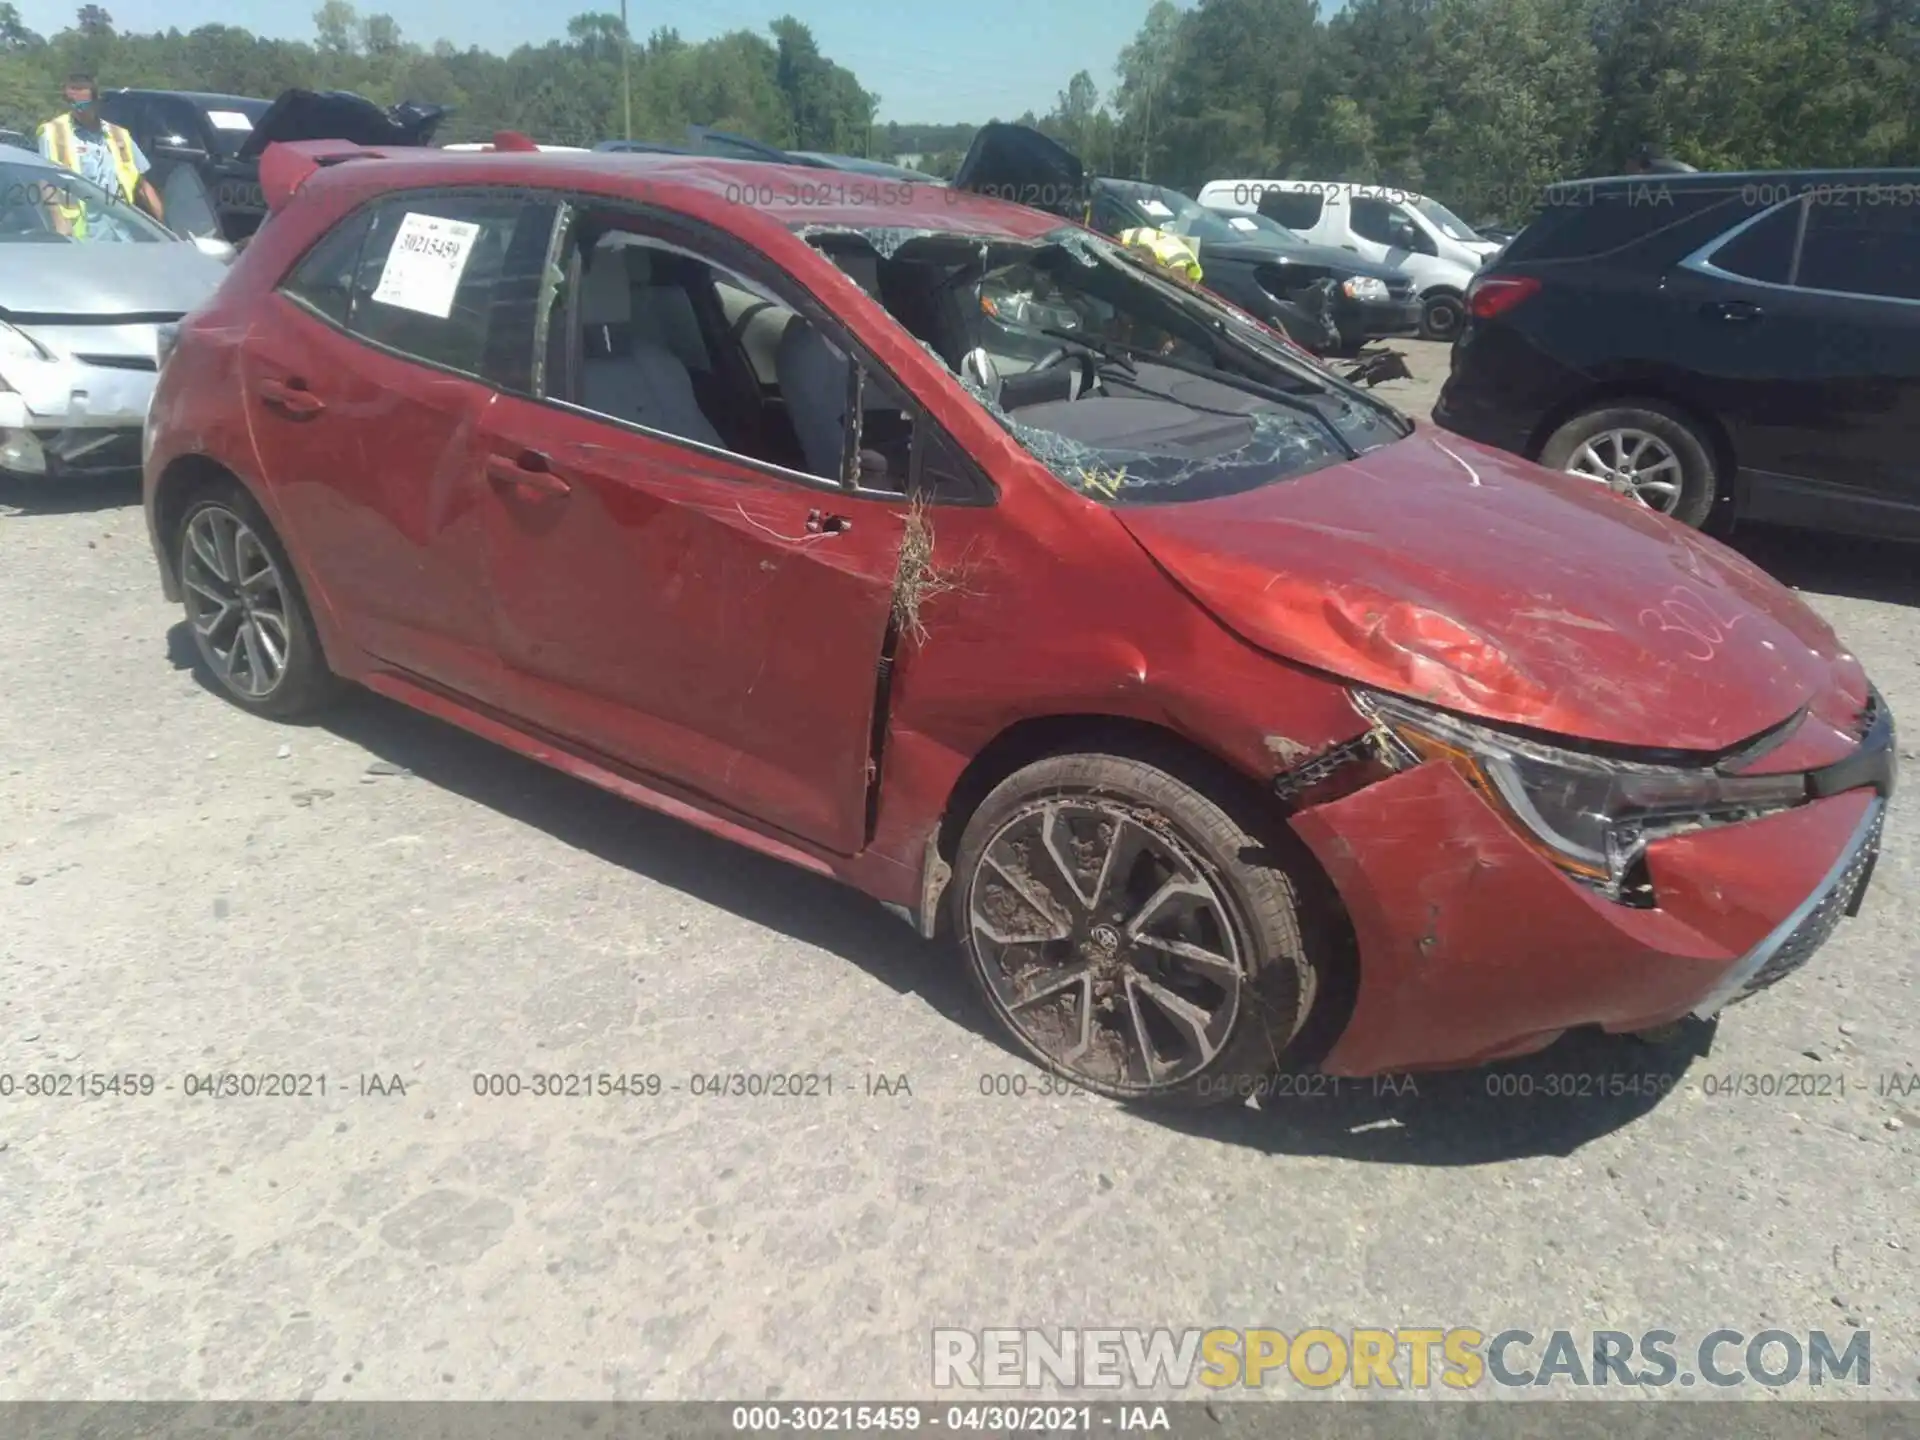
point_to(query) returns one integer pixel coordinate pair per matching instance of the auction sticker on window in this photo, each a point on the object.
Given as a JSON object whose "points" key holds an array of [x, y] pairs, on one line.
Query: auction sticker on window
{"points": [[229, 120], [424, 266], [1241, 222], [1155, 208]]}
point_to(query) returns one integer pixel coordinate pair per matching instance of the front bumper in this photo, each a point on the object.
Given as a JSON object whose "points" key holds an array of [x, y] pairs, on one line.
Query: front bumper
{"points": [[1373, 318], [68, 417], [1474, 947]]}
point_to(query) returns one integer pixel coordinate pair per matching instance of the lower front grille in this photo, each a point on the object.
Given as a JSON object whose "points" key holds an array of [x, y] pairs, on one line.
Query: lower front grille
{"points": [[1820, 923], [120, 362]]}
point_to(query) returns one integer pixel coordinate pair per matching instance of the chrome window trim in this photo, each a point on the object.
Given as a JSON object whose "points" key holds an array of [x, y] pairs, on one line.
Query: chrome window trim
{"points": [[1701, 260]]}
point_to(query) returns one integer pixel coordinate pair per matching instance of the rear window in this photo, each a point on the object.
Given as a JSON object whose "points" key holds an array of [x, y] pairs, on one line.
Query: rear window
{"points": [[1764, 250], [1858, 248], [230, 122]]}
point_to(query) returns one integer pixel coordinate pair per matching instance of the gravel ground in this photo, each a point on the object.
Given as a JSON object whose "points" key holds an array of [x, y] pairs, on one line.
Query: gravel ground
{"points": [[390, 904]]}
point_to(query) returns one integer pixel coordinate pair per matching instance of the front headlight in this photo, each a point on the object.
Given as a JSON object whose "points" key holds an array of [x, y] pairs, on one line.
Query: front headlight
{"points": [[18, 345], [1364, 287], [1593, 817]]}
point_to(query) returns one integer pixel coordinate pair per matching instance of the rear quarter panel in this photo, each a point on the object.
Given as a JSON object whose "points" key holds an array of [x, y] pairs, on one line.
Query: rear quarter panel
{"points": [[198, 420]]}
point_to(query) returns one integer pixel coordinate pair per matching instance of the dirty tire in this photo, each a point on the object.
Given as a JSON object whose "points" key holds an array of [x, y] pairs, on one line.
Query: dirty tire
{"points": [[1216, 843], [304, 683], [1442, 315], [1700, 481]]}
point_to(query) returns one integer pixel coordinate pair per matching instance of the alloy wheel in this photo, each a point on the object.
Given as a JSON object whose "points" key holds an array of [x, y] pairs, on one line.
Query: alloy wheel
{"points": [[1107, 942], [236, 602], [1634, 463]]}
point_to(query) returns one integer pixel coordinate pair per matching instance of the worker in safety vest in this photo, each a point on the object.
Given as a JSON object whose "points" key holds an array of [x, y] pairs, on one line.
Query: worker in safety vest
{"points": [[97, 150], [1171, 252]]}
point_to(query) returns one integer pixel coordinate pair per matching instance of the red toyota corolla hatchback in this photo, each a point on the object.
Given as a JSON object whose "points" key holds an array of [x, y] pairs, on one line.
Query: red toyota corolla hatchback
{"points": [[1225, 718]]}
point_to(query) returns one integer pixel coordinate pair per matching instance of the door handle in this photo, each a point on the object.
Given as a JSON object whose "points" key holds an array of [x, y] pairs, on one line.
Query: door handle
{"points": [[526, 471], [821, 523], [291, 398], [1732, 310]]}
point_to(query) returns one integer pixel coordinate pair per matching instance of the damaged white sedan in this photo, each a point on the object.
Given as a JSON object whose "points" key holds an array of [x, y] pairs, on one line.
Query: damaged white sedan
{"points": [[89, 289]]}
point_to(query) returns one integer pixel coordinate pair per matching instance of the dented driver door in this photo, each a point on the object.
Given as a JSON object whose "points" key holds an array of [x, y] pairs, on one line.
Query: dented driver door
{"points": [[691, 614]]}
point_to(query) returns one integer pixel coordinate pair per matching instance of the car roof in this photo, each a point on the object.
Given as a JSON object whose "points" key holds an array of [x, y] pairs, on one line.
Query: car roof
{"points": [[790, 195], [1728, 179], [205, 99]]}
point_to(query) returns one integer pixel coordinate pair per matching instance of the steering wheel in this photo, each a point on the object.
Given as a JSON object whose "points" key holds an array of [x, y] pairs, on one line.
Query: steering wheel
{"points": [[1089, 366]]}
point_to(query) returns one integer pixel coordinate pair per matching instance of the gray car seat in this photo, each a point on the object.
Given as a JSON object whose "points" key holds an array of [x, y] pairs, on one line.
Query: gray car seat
{"points": [[630, 378], [813, 383]]}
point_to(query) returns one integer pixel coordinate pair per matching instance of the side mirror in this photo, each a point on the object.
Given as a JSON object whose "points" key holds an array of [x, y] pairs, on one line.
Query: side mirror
{"points": [[873, 470], [169, 150]]}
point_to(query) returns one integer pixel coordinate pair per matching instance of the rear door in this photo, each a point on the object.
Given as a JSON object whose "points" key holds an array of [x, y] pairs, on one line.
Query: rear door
{"points": [[366, 378], [1803, 325]]}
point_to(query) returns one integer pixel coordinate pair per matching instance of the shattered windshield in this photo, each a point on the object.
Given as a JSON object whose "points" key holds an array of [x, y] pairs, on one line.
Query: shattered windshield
{"points": [[1266, 227], [1128, 387]]}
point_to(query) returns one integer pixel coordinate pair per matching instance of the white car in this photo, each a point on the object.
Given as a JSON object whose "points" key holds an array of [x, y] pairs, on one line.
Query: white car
{"points": [[85, 322], [1421, 237]]}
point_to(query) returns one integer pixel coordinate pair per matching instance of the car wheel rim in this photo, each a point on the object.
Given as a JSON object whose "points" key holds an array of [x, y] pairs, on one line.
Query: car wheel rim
{"points": [[1443, 319], [1634, 463], [236, 602], [1107, 942]]}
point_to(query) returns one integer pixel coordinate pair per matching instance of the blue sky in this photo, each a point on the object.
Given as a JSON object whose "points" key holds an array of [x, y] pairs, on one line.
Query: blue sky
{"points": [[946, 61]]}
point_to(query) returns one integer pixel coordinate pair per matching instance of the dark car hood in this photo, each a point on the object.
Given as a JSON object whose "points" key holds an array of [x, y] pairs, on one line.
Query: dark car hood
{"points": [[1256, 250], [340, 115], [1013, 162], [1451, 573]]}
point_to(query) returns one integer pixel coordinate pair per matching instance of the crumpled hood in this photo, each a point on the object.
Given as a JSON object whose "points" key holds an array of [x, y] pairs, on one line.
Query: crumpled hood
{"points": [[1447, 572]]}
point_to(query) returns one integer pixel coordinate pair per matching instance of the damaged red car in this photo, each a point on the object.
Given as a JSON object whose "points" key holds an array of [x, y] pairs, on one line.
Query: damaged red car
{"points": [[1224, 718]]}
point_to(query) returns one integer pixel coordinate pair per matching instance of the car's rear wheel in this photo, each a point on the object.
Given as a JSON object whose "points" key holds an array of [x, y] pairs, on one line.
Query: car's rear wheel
{"points": [[1132, 930], [1641, 449], [251, 628], [1441, 316]]}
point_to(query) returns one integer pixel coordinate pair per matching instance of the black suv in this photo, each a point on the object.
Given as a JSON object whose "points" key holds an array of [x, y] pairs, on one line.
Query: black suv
{"points": [[1722, 346], [191, 139], [205, 148]]}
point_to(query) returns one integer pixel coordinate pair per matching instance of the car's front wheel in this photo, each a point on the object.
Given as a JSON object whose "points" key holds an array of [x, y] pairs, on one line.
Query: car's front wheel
{"points": [[1132, 930], [1643, 450], [1441, 316], [251, 628]]}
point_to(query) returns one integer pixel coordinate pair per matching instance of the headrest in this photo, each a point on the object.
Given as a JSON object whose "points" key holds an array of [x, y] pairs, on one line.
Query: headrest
{"points": [[863, 270], [605, 294]]}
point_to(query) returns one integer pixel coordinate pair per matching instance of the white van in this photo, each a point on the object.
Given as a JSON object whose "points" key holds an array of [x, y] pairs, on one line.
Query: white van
{"points": [[1421, 237]]}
